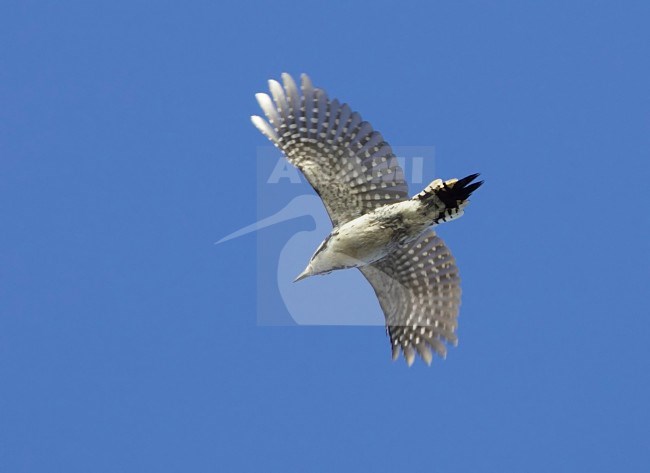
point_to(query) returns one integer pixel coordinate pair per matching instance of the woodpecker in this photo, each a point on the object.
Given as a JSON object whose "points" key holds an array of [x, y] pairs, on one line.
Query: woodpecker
{"points": [[377, 228]]}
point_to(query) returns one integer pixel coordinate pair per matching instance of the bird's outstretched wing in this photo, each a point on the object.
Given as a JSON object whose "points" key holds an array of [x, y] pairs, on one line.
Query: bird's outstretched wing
{"points": [[418, 288], [347, 163]]}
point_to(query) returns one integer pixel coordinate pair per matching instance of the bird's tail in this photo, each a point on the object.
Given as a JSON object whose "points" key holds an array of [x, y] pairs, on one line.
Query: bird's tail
{"points": [[448, 199]]}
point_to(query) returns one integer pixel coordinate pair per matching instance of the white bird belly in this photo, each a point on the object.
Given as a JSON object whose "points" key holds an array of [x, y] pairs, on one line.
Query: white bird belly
{"points": [[371, 237]]}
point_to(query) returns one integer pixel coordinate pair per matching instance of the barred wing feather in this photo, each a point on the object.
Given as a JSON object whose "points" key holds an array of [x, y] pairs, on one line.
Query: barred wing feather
{"points": [[348, 164], [418, 288]]}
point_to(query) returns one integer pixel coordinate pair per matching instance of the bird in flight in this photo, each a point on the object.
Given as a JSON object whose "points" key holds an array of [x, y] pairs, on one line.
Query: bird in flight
{"points": [[377, 227]]}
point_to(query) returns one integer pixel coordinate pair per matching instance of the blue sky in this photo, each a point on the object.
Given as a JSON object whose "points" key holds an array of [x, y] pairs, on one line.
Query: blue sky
{"points": [[130, 342]]}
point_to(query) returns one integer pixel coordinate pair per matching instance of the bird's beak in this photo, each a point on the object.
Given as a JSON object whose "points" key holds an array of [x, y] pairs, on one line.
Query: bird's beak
{"points": [[306, 273]]}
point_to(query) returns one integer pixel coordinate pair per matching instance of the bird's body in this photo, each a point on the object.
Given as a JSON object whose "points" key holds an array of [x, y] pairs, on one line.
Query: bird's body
{"points": [[377, 228], [375, 235]]}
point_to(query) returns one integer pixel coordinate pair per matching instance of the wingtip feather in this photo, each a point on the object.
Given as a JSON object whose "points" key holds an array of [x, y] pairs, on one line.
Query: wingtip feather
{"points": [[425, 353], [306, 82], [395, 352], [409, 355], [264, 126]]}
